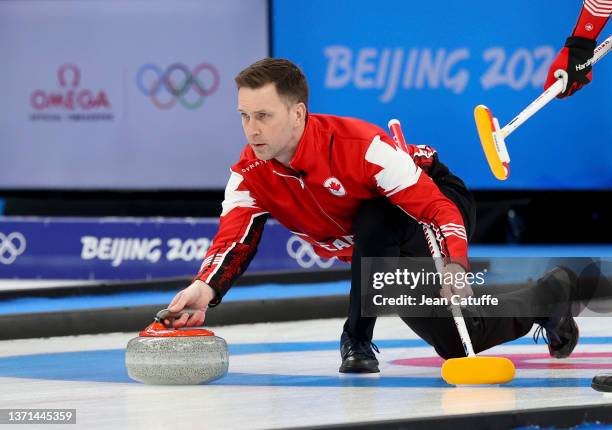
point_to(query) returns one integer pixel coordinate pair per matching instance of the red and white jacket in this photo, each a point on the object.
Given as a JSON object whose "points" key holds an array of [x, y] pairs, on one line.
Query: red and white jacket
{"points": [[339, 163], [593, 17]]}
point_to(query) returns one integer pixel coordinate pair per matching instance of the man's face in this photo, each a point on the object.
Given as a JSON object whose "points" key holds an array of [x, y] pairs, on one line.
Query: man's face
{"points": [[271, 124]]}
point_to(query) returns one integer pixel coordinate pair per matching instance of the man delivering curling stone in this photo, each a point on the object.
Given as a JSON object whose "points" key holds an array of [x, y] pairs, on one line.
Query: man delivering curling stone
{"points": [[345, 187]]}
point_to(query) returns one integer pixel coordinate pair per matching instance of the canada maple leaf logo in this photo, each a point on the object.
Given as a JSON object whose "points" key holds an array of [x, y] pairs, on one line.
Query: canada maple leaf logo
{"points": [[335, 187]]}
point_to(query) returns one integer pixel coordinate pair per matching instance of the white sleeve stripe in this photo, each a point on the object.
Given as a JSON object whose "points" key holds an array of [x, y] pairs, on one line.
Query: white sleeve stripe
{"points": [[447, 234], [599, 3], [452, 229], [216, 269], [452, 224], [214, 258], [598, 12], [598, 9], [443, 232]]}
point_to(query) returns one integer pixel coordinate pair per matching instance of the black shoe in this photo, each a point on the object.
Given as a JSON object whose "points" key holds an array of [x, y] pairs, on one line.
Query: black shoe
{"points": [[602, 382], [357, 356], [561, 330]]}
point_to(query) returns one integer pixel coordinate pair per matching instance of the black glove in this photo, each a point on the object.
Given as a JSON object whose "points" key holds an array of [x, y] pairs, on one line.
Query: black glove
{"points": [[573, 64]]}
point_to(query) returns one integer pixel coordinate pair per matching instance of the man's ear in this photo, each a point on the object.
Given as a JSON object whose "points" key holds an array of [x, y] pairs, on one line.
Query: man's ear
{"points": [[300, 112]]}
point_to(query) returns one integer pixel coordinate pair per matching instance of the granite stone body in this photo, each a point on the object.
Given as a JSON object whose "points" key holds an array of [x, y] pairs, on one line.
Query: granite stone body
{"points": [[177, 360]]}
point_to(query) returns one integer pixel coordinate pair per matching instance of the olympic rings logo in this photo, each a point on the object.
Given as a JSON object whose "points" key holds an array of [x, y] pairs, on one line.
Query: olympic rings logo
{"points": [[302, 252], [11, 247], [178, 81]]}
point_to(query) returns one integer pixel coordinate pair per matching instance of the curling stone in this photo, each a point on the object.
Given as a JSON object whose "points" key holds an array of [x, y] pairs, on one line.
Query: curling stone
{"points": [[163, 355]]}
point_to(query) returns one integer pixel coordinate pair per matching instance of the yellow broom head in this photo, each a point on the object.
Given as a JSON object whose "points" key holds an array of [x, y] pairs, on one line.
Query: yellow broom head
{"points": [[477, 370], [492, 141]]}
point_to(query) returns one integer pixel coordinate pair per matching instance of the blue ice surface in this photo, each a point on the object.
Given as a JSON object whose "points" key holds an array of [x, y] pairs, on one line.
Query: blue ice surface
{"points": [[109, 366]]}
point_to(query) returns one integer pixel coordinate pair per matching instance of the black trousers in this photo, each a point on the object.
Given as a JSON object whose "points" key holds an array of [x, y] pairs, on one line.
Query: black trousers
{"points": [[383, 230]]}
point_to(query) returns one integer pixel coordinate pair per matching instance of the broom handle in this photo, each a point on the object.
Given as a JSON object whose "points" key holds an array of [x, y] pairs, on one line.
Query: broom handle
{"points": [[553, 91], [398, 136], [455, 310]]}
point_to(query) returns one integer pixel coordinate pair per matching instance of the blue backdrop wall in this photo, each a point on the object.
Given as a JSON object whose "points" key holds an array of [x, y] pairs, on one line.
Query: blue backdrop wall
{"points": [[430, 63]]}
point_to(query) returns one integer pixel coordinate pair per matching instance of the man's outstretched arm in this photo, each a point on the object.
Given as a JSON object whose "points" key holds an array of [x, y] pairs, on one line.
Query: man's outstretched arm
{"points": [[572, 63], [233, 248]]}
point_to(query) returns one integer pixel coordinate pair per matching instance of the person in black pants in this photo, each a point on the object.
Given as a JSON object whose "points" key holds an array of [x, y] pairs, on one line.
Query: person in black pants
{"points": [[383, 230]]}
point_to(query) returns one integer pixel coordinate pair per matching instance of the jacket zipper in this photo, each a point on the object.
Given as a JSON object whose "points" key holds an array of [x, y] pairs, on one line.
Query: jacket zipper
{"points": [[323, 211], [292, 177], [304, 187]]}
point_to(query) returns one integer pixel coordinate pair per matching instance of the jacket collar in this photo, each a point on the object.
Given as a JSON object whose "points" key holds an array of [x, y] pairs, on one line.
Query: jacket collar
{"points": [[311, 140]]}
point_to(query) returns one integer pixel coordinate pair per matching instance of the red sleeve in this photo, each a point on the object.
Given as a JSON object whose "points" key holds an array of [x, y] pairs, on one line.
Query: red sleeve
{"points": [[593, 18], [395, 175], [235, 244]]}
